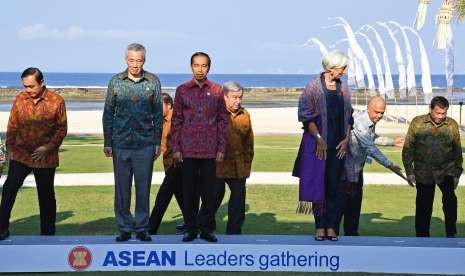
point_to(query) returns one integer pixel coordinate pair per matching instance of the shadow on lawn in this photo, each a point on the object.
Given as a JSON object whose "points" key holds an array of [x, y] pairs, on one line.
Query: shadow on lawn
{"points": [[371, 224], [31, 225]]}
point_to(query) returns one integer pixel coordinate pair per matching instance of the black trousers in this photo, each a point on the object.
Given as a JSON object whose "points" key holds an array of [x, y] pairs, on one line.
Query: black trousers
{"points": [[236, 203], [198, 178], [17, 172], [333, 169], [351, 206], [171, 185], [424, 207]]}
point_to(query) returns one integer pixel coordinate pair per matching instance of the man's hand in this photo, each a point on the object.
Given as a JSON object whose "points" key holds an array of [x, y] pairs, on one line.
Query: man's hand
{"points": [[342, 148], [321, 149], [395, 168], [219, 157], [399, 142], [39, 154], [157, 152], [177, 157], [398, 170], [108, 151], [411, 180], [456, 182]]}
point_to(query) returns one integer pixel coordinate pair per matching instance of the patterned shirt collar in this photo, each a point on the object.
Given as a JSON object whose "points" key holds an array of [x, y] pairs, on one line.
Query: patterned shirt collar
{"points": [[366, 120], [237, 113], [42, 97], [145, 75], [193, 83], [427, 119]]}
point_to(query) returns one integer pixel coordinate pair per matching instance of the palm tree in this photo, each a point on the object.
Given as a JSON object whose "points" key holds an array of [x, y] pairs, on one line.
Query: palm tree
{"points": [[460, 9]]}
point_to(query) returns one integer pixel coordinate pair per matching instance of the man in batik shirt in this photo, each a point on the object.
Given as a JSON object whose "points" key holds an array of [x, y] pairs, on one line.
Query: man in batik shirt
{"points": [[237, 163], [362, 148], [132, 127], [36, 129], [198, 135], [432, 155]]}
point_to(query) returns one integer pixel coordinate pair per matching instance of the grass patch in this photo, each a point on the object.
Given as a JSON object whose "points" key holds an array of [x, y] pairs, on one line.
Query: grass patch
{"points": [[270, 209], [272, 154]]}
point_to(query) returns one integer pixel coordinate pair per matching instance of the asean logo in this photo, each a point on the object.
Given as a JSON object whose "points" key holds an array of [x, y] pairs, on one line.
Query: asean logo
{"points": [[79, 258]]}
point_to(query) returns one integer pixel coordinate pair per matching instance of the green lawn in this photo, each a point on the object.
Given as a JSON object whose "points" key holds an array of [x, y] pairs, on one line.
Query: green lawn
{"points": [[270, 210], [272, 153]]}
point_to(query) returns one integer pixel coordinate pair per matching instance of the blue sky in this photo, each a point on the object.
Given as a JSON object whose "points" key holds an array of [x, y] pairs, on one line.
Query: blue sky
{"points": [[242, 36]]}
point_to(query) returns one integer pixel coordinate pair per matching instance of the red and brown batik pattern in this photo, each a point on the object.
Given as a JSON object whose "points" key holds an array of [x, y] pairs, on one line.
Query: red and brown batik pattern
{"points": [[34, 124], [199, 126]]}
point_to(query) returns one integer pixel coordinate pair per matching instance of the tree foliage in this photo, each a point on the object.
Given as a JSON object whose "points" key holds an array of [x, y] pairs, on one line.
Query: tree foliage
{"points": [[460, 9]]}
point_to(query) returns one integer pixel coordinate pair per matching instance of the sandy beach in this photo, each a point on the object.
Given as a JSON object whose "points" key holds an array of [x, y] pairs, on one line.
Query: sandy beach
{"points": [[273, 111], [265, 121]]}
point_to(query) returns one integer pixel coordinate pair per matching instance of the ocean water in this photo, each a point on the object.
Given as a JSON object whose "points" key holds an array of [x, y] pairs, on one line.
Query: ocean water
{"points": [[100, 80]]}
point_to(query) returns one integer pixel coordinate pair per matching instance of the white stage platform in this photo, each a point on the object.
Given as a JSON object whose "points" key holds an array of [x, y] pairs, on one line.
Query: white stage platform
{"points": [[234, 253]]}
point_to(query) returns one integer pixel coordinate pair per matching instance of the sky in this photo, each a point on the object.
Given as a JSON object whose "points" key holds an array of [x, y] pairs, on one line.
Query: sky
{"points": [[241, 36]]}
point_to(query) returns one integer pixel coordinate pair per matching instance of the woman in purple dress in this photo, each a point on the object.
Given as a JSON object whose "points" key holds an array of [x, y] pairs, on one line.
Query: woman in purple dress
{"points": [[326, 113]]}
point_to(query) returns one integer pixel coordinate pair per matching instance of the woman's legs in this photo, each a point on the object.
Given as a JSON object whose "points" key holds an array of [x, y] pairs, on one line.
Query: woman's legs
{"points": [[329, 219]]}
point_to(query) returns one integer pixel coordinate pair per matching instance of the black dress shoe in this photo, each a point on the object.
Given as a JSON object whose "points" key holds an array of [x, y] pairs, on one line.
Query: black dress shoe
{"points": [[4, 235], [123, 236], [209, 237], [450, 235], [143, 236], [188, 236]]}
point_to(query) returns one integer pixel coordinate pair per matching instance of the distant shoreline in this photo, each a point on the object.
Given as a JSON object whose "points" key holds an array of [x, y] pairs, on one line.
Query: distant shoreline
{"points": [[253, 95]]}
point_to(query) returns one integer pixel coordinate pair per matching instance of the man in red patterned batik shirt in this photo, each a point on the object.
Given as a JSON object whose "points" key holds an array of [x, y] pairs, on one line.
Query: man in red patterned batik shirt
{"points": [[198, 134], [36, 129]]}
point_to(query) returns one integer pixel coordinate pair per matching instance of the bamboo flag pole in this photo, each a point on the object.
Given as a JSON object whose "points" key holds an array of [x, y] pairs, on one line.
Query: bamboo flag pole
{"points": [[407, 107]]}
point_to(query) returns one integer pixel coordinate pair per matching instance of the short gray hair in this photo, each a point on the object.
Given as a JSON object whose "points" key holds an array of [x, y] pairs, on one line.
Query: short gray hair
{"points": [[232, 86], [135, 47], [335, 59]]}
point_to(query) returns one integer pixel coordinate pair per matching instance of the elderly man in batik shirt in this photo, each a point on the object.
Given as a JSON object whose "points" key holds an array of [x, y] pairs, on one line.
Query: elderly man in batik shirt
{"points": [[432, 155], [36, 129], [132, 128], [237, 162], [361, 147]]}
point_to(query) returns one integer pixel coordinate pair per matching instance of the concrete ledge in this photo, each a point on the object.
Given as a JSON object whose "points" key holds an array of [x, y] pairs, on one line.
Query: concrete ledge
{"points": [[234, 253]]}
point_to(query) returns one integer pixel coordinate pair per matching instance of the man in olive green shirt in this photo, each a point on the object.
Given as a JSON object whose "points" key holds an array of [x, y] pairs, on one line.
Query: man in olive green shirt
{"points": [[432, 155]]}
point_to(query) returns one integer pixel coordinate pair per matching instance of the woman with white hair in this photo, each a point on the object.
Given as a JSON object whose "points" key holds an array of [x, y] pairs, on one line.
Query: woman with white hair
{"points": [[326, 113]]}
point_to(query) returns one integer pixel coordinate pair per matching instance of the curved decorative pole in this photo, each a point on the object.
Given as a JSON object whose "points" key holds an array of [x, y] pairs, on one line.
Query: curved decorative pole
{"points": [[317, 42], [421, 14]]}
